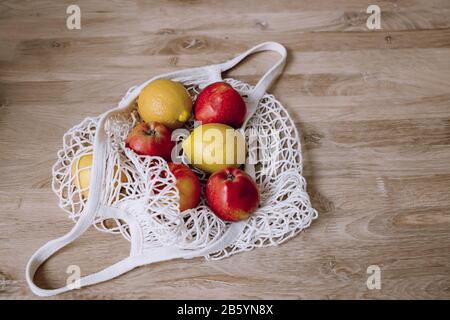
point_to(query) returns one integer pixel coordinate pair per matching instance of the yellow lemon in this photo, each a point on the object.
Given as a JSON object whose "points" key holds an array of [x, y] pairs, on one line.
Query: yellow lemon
{"points": [[215, 146], [81, 170], [165, 101]]}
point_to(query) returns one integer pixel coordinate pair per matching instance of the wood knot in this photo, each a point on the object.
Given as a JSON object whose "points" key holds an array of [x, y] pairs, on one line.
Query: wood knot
{"points": [[313, 138], [4, 281], [388, 39], [165, 31], [328, 266], [263, 25], [336, 270], [57, 44], [321, 203], [173, 61], [4, 104], [352, 18], [193, 43]]}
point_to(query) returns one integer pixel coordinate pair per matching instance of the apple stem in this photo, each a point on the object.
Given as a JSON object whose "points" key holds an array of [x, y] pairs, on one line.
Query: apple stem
{"points": [[150, 132]]}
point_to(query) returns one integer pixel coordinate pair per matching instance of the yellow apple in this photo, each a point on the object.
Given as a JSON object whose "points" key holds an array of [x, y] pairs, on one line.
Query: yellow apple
{"points": [[81, 170], [214, 146]]}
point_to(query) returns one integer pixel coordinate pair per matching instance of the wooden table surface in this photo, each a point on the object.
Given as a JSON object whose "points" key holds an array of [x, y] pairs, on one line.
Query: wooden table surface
{"points": [[373, 108]]}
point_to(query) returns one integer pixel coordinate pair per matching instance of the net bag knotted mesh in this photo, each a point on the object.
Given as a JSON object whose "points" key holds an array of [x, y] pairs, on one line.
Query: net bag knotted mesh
{"points": [[136, 196]]}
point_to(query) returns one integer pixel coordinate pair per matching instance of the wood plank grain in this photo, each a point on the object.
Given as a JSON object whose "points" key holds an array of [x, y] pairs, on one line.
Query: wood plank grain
{"points": [[372, 107]]}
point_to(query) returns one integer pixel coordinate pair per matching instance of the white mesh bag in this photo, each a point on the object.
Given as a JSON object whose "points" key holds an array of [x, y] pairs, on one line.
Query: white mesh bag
{"points": [[136, 195]]}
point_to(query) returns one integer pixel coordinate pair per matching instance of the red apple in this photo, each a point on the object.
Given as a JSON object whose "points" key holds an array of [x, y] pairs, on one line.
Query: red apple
{"points": [[187, 184], [220, 103], [232, 194], [151, 139]]}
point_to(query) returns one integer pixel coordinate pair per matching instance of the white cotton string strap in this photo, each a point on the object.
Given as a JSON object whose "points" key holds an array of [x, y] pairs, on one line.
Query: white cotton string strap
{"points": [[134, 260], [86, 219], [263, 84], [94, 205], [266, 80]]}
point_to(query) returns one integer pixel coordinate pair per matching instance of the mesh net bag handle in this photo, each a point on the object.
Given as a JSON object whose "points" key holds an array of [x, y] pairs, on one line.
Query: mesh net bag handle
{"points": [[94, 206], [267, 79]]}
